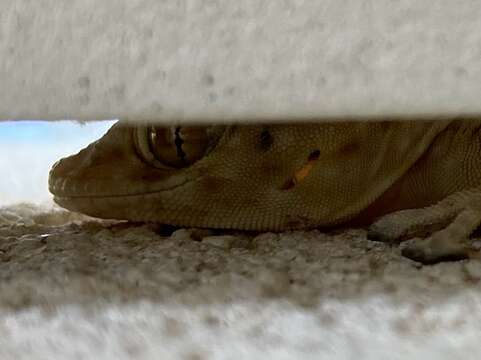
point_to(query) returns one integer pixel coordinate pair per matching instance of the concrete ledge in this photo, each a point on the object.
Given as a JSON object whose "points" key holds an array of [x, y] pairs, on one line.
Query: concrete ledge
{"points": [[222, 60]]}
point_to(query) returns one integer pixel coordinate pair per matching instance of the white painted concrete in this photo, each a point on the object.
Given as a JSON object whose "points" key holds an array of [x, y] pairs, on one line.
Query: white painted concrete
{"points": [[187, 59]]}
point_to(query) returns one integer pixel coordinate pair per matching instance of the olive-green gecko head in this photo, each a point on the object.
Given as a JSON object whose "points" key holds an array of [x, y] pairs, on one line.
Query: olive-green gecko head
{"points": [[257, 177], [211, 176]]}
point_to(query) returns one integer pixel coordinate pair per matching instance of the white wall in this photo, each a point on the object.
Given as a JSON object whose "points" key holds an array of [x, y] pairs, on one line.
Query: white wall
{"points": [[218, 59]]}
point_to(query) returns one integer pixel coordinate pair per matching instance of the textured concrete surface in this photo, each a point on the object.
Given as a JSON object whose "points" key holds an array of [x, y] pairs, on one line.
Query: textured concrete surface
{"points": [[183, 59], [73, 288]]}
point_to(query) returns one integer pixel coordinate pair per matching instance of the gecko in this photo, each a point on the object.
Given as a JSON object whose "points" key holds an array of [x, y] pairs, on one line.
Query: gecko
{"points": [[412, 181]]}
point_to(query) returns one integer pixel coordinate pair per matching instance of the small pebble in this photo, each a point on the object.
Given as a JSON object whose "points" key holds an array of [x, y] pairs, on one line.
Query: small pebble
{"points": [[223, 241]]}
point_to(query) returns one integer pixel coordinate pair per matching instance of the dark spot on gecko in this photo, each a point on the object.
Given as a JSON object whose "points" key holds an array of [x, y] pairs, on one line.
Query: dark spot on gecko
{"points": [[266, 140], [314, 155], [349, 148]]}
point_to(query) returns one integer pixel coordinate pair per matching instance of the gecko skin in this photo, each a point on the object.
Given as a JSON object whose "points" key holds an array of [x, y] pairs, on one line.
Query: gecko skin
{"points": [[417, 180]]}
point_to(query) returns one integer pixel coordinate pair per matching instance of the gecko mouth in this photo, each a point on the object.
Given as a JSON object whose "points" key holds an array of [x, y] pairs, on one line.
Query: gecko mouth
{"points": [[113, 205], [68, 189], [74, 185]]}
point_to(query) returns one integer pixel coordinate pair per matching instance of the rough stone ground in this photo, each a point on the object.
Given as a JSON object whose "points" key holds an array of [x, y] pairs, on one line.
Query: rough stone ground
{"points": [[75, 288]]}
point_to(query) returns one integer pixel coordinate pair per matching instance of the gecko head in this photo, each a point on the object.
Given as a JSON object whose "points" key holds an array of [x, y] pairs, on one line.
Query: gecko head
{"points": [[202, 176]]}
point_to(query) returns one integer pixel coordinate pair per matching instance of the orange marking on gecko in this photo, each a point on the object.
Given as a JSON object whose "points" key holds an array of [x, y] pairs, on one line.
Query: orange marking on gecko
{"points": [[303, 172]]}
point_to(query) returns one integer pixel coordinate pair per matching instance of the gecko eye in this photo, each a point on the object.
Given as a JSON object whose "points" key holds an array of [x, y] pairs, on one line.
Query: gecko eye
{"points": [[177, 146]]}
